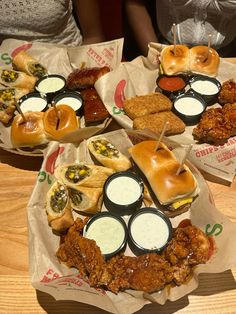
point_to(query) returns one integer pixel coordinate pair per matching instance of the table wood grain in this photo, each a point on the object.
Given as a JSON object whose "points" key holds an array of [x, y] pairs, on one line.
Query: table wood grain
{"points": [[216, 292]]}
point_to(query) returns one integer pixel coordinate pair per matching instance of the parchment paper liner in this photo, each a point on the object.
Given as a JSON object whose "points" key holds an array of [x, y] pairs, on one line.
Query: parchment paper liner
{"points": [[48, 275]]}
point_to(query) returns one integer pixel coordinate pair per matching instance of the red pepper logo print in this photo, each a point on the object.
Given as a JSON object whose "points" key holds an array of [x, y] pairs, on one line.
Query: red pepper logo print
{"points": [[119, 97]]}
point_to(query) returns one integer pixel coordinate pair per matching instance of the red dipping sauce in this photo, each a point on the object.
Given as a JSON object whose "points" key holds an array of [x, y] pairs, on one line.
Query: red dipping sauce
{"points": [[171, 83]]}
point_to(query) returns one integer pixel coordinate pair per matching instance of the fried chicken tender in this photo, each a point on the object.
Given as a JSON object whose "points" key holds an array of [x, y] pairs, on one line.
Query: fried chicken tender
{"points": [[228, 92], [149, 272], [216, 125], [188, 247]]}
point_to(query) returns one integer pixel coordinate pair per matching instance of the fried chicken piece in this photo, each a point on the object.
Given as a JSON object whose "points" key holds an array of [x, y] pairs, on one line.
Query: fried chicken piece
{"points": [[216, 125], [188, 242], [228, 92], [188, 247], [149, 272], [83, 254]]}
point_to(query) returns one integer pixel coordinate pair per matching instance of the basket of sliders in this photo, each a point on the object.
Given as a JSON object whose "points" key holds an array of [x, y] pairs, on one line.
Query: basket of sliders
{"points": [[120, 219]]}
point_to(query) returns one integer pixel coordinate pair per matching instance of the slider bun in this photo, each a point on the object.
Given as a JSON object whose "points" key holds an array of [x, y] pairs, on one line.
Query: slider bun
{"points": [[152, 158], [29, 133], [203, 62], [169, 187], [159, 168], [99, 148], [68, 122], [174, 63]]}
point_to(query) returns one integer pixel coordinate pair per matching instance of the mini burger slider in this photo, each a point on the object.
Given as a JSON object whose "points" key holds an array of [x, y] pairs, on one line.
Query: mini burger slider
{"points": [[198, 59], [59, 121], [204, 60], [175, 59], [28, 130], [174, 192]]}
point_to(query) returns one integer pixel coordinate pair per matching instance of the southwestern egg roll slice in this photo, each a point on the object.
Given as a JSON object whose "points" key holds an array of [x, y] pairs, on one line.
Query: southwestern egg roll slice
{"points": [[8, 99], [86, 200], [58, 208], [80, 174], [108, 154], [12, 78], [23, 61]]}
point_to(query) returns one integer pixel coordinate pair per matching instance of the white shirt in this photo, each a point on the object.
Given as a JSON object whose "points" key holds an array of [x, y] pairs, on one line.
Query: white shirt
{"points": [[196, 19]]}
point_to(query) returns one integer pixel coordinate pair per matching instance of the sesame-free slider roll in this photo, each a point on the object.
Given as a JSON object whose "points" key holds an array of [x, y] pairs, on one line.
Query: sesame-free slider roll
{"points": [[175, 59], [204, 60], [59, 121], [28, 130], [160, 167]]}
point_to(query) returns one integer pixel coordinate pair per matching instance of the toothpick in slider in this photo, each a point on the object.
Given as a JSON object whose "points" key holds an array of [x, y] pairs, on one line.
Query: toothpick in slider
{"points": [[208, 46], [174, 35], [162, 134], [21, 112], [184, 159], [57, 115]]}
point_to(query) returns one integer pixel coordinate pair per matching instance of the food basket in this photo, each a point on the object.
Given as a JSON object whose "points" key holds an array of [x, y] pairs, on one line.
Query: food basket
{"points": [[64, 283]]}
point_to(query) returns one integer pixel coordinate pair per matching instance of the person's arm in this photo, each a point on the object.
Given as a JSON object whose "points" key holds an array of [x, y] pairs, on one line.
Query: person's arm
{"points": [[140, 23], [88, 13]]}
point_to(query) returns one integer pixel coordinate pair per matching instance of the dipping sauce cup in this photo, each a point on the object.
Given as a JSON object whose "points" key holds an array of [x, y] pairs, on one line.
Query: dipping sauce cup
{"points": [[171, 85], [206, 87], [123, 192], [109, 231], [72, 99], [189, 107], [33, 102], [50, 85], [149, 230]]}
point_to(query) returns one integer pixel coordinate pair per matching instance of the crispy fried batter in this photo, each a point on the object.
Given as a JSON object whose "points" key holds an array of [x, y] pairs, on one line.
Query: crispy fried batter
{"points": [[143, 105], [228, 92], [216, 125], [149, 272]]}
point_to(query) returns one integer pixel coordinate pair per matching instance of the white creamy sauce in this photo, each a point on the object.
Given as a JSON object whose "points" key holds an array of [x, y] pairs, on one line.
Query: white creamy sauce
{"points": [[33, 104], [150, 231], [108, 233], [189, 106], [73, 102], [205, 87], [50, 85], [123, 190]]}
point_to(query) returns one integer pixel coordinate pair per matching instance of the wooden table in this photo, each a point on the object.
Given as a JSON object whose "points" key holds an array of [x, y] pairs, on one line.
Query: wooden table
{"points": [[216, 292]]}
